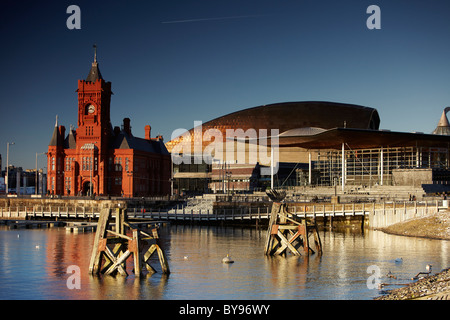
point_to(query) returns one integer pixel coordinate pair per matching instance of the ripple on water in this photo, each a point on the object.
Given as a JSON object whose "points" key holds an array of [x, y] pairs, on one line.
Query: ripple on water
{"points": [[27, 272]]}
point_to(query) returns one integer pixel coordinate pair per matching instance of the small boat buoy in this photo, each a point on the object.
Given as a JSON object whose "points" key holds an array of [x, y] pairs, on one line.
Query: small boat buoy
{"points": [[18, 236], [37, 247], [399, 260], [227, 259]]}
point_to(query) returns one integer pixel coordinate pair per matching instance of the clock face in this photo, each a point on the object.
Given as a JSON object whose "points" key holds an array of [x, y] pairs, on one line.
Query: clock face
{"points": [[90, 109]]}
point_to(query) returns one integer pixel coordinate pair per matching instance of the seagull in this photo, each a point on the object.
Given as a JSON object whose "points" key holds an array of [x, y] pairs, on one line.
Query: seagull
{"points": [[428, 267], [227, 259], [186, 257], [37, 247]]}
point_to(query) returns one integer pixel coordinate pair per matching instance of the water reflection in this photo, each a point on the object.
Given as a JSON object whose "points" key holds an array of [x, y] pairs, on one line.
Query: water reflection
{"points": [[120, 288], [33, 265]]}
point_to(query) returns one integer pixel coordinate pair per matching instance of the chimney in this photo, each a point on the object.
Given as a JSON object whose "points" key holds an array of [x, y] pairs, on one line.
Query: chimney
{"points": [[148, 130], [126, 126], [116, 131]]}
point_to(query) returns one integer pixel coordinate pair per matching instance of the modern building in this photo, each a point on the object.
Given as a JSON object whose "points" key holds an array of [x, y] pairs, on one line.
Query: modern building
{"points": [[98, 159], [326, 144], [22, 182]]}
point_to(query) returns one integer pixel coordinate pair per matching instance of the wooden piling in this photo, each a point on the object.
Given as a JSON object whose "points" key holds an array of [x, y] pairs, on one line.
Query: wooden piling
{"points": [[111, 261], [136, 252], [287, 233]]}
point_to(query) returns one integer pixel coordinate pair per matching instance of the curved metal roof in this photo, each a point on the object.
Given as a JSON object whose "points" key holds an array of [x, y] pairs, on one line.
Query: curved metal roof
{"points": [[308, 131], [289, 115], [360, 139], [293, 115]]}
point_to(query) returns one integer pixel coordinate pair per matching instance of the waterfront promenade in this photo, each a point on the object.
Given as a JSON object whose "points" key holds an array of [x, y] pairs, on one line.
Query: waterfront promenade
{"points": [[373, 215]]}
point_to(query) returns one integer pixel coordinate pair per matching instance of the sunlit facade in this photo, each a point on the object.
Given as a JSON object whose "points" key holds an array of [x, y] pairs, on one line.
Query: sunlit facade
{"points": [[326, 144], [97, 159]]}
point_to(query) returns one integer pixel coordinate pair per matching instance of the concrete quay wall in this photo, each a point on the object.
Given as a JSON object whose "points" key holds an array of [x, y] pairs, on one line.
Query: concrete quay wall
{"points": [[382, 218]]}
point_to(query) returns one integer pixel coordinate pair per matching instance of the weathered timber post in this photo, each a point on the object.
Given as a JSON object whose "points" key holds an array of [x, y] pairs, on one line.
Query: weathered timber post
{"points": [[286, 231], [140, 245], [136, 252], [99, 242]]}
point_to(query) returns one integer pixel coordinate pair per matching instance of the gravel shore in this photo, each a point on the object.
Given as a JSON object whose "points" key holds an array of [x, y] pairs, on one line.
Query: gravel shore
{"points": [[432, 287], [435, 226]]}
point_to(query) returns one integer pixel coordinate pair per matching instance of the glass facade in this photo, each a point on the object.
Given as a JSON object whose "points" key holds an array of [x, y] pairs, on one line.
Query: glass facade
{"points": [[375, 166]]}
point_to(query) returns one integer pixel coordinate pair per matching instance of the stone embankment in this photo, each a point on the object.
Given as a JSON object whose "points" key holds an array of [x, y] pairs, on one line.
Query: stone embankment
{"points": [[432, 287]]}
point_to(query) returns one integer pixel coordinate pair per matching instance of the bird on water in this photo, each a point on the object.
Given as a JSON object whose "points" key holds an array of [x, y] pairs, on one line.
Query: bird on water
{"points": [[227, 259]]}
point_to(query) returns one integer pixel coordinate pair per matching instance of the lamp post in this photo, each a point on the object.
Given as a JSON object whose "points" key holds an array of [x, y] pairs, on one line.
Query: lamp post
{"points": [[36, 177], [171, 177], [7, 166], [228, 176]]}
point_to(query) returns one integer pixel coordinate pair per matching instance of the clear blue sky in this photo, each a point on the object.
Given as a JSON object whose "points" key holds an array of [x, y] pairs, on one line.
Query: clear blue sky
{"points": [[173, 62]]}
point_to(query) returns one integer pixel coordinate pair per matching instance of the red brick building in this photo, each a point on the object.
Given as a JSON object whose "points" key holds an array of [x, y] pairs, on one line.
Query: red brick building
{"points": [[98, 157]]}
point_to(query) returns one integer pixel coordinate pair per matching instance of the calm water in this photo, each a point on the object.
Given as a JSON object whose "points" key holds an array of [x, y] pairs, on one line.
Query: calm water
{"points": [[34, 262]]}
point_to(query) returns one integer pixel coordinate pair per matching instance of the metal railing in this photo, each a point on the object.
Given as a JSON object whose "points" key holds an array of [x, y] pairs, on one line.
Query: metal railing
{"points": [[380, 214]]}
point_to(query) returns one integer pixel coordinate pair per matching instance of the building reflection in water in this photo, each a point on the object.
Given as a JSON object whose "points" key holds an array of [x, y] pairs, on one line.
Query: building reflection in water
{"points": [[195, 256]]}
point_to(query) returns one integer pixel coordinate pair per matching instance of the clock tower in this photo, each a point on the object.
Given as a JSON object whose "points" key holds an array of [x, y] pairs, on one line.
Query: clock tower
{"points": [[96, 159], [94, 128], [94, 98]]}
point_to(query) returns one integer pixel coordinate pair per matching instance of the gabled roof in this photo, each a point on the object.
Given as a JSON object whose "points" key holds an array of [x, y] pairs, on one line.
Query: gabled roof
{"points": [[126, 141]]}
